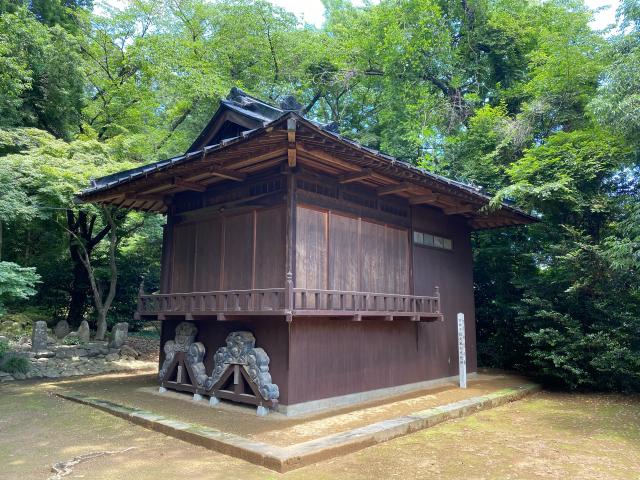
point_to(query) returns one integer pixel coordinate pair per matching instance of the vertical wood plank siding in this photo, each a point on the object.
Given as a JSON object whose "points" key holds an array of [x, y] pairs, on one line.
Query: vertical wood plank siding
{"points": [[452, 271], [270, 248], [184, 248], [238, 252], [341, 252], [331, 357], [230, 252], [207, 261]]}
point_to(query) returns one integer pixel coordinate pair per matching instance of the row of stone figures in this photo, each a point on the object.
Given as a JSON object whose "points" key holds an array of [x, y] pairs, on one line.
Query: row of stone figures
{"points": [[237, 364]]}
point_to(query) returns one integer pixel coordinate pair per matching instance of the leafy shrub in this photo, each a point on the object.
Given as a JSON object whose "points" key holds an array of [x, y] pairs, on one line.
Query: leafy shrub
{"points": [[70, 340], [16, 365], [16, 282], [27, 316], [17, 324]]}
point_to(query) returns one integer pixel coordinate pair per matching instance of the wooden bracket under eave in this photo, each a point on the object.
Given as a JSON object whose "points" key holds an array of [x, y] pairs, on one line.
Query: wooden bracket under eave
{"points": [[227, 174], [179, 182], [464, 208], [291, 142], [355, 176], [142, 197], [395, 188]]}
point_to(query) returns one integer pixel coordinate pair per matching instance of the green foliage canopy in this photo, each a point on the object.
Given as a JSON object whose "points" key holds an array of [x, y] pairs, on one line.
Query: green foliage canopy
{"points": [[521, 98]]}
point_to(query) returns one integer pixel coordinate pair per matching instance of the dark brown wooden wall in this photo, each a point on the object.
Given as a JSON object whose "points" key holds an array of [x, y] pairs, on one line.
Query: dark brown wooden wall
{"points": [[228, 252], [452, 271], [331, 357], [336, 251]]}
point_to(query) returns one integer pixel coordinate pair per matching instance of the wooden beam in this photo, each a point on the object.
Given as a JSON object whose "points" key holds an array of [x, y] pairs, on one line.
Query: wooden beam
{"points": [[354, 177], [395, 188], [179, 182], [465, 208], [145, 198], [291, 138], [227, 173], [316, 154], [431, 199]]}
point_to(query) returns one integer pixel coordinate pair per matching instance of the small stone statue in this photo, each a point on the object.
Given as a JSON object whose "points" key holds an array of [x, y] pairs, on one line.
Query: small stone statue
{"points": [[118, 335], [84, 334], [61, 329], [39, 336]]}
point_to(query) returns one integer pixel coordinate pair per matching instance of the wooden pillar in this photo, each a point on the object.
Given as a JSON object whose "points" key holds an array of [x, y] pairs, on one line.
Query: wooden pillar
{"points": [[166, 264], [290, 250], [412, 287]]}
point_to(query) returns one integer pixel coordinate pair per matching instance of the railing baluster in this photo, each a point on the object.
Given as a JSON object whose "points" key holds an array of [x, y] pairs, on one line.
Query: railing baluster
{"points": [[299, 298]]}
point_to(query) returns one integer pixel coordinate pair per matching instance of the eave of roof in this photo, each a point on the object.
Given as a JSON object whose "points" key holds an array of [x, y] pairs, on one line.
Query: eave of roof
{"points": [[399, 167]]}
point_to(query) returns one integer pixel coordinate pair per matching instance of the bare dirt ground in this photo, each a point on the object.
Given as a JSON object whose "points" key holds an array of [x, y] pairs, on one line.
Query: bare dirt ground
{"points": [[147, 347], [140, 391], [545, 436]]}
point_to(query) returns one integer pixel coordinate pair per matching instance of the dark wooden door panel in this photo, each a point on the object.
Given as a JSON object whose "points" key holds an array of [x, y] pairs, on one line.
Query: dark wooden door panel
{"points": [[208, 256], [270, 248], [238, 252]]}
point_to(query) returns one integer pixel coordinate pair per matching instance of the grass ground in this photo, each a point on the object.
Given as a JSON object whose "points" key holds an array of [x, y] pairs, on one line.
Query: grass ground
{"points": [[545, 436]]}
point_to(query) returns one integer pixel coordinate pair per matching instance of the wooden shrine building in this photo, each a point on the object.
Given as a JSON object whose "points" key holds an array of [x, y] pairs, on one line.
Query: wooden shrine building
{"points": [[301, 270]]}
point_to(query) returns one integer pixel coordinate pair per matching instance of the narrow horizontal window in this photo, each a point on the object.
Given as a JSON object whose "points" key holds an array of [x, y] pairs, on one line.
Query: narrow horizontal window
{"points": [[428, 240]]}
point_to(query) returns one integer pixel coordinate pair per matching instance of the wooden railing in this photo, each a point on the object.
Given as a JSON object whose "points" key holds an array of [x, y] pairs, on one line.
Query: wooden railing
{"points": [[289, 301], [364, 303], [258, 300]]}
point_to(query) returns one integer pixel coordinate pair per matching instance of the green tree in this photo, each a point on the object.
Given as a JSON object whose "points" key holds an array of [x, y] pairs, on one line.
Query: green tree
{"points": [[16, 282], [41, 84]]}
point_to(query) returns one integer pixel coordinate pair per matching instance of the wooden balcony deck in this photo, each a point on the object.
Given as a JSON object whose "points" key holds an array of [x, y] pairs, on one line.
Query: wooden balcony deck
{"points": [[289, 302]]}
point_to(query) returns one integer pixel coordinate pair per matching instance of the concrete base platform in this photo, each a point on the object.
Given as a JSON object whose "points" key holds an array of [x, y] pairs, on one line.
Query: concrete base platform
{"points": [[284, 458], [354, 399]]}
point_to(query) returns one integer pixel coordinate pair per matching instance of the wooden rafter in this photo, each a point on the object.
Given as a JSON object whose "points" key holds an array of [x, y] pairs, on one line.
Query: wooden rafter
{"points": [[356, 176], [429, 199], [322, 155], [180, 182], [145, 198], [227, 173], [464, 208], [395, 188]]}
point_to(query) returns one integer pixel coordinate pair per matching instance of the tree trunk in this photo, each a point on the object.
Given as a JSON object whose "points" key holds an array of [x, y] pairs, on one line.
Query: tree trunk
{"points": [[101, 324], [79, 289], [81, 242], [77, 302]]}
